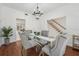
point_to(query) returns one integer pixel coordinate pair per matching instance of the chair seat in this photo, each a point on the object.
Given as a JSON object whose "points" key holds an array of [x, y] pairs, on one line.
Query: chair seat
{"points": [[30, 44], [47, 49]]}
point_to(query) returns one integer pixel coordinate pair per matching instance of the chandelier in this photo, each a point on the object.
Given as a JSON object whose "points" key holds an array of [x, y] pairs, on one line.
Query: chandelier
{"points": [[37, 13]]}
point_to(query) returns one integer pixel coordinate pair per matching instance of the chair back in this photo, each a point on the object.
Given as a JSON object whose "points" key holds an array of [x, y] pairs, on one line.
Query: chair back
{"points": [[44, 33], [24, 39], [27, 32], [60, 45]]}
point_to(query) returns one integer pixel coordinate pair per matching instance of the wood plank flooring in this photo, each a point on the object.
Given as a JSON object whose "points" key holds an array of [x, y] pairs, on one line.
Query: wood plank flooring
{"points": [[71, 52], [14, 49]]}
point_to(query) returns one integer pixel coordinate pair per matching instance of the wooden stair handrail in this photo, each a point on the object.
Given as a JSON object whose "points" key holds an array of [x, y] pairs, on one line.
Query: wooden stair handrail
{"points": [[59, 24], [54, 27]]}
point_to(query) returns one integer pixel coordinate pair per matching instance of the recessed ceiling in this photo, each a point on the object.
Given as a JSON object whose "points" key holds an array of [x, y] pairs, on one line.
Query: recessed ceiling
{"points": [[29, 7]]}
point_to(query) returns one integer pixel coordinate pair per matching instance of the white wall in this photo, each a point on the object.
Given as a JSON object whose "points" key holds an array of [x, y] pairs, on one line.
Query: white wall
{"points": [[8, 18], [0, 24], [32, 23], [71, 11]]}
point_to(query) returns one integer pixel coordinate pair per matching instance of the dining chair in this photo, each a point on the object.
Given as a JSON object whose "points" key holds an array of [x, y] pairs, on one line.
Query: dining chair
{"points": [[28, 31], [58, 49], [44, 33], [26, 44]]}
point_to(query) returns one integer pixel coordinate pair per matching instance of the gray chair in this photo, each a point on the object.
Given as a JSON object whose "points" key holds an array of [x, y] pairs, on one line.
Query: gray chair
{"points": [[44, 33], [58, 49], [27, 33], [26, 44]]}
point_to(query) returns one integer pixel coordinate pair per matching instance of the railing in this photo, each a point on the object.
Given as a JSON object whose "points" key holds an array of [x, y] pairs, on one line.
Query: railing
{"points": [[56, 28], [59, 24]]}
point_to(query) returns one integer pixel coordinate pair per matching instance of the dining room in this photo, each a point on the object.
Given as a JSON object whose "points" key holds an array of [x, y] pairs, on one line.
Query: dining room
{"points": [[39, 29]]}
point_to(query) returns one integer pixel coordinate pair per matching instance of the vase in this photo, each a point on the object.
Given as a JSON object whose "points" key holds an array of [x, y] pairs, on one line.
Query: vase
{"points": [[6, 41]]}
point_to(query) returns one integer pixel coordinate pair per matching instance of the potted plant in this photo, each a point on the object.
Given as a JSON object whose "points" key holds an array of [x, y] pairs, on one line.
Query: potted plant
{"points": [[7, 33]]}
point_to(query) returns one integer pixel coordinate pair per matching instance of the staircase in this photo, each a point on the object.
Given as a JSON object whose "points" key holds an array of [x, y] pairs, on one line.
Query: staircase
{"points": [[57, 26]]}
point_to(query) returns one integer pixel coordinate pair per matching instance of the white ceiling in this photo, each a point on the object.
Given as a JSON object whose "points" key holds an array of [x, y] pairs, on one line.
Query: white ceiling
{"points": [[29, 7]]}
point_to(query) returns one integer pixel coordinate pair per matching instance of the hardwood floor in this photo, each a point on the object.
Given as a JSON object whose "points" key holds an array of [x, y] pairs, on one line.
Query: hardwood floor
{"points": [[14, 49], [71, 52]]}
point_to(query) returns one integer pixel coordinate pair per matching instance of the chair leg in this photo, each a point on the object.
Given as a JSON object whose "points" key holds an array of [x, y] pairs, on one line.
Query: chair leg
{"points": [[41, 53], [23, 51], [38, 48]]}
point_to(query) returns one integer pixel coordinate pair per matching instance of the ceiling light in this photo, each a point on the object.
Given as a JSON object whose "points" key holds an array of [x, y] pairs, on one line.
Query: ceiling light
{"points": [[37, 13]]}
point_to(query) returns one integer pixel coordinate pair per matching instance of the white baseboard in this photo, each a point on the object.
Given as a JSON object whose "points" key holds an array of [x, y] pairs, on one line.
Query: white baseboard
{"points": [[10, 42]]}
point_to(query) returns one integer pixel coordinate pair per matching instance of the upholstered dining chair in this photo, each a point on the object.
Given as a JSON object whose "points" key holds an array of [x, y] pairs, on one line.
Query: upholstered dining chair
{"points": [[44, 33], [27, 33], [58, 49], [26, 44]]}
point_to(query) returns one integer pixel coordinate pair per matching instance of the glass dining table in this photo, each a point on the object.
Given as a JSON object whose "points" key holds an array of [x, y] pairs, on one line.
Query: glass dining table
{"points": [[48, 39]]}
